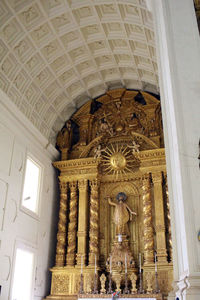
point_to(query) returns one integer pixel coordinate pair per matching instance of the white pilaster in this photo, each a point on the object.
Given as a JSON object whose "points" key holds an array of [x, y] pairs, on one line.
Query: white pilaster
{"points": [[178, 51]]}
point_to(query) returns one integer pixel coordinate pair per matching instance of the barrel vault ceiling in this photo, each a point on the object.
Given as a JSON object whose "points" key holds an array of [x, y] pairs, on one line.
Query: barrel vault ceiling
{"points": [[57, 54]]}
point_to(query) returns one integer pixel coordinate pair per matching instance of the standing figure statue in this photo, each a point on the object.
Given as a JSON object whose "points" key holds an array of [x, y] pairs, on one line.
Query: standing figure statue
{"points": [[122, 214], [135, 147], [64, 138], [98, 152]]}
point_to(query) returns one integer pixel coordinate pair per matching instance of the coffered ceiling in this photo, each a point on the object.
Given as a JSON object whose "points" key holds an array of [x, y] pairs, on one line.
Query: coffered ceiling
{"points": [[57, 54]]}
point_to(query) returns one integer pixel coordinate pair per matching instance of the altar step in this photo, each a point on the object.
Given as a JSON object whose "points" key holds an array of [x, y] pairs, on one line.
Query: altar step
{"points": [[59, 297]]}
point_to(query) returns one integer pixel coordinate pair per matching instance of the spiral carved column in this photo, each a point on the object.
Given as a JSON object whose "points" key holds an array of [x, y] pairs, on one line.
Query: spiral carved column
{"points": [[70, 259], [61, 235], [159, 217], [169, 232], [94, 221], [148, 227], [82, 220]]}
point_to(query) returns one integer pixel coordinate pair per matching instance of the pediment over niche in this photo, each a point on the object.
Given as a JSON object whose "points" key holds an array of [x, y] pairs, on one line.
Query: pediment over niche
{"points": [[117, 120]]}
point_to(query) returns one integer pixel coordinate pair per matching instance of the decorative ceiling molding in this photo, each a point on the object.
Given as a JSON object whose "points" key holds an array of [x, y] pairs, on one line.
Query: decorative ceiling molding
{"points": [[57, 54]]}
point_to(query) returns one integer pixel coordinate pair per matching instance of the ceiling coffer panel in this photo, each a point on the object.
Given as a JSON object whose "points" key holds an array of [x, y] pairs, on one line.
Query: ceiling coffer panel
{"points": [[57, 54]]}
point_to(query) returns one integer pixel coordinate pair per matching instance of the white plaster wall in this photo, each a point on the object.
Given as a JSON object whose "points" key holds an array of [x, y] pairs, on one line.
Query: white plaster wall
{"points": [[17, 138], [178, 52]]}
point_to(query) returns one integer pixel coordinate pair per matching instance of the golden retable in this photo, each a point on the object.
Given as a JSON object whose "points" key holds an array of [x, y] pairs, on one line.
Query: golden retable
{"points": [[112, 146]]}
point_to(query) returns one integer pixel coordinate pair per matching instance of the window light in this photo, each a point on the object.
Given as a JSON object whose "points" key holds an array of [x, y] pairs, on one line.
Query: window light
{"points": [[31, 186]]}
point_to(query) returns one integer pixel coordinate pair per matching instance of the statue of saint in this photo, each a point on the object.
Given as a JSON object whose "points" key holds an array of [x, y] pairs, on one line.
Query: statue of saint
{"points": [[122, 214], [64, 138]]}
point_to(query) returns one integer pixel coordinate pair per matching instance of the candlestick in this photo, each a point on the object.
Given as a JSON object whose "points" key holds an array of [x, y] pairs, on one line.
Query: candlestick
{"points": [[95, 264], [81, 264], [141, 290], [140, 262], [125, 264], [110, 284], [110, 264], [156, 263], [81, 285], [126, 291], [95, 284], [119, 238]]}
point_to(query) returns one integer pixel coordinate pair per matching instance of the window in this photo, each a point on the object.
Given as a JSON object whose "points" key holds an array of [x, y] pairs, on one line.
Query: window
{"points": [[31, 190], [22, 284]]}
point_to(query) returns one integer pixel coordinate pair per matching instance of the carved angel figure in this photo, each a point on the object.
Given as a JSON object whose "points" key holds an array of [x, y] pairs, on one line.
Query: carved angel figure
{"points": [[97, 152], [105, 128], [122, 214], [135, 147]]}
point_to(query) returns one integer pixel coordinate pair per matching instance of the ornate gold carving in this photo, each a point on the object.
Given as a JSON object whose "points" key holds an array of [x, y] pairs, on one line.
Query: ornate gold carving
{"points": [[149, 279], [133, 279], [157, 178], [117, 158], [60, 284], [82, 184], [88, 283], [117, 279], [82, 221], [103, 284], [72, 224], [119, 143], [159, 217], [77, 280], [118, 161], [64, 139], [148, 229], [61, 235], [94, 218]]}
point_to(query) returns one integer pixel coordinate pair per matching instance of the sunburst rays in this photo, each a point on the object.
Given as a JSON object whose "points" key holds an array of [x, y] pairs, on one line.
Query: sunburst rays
{"points": [[117, 159]]}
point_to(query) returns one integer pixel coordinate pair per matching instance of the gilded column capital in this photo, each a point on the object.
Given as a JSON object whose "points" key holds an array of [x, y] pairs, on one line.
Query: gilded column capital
{"points": [[82, 184], [62, 183], [73, 185], [156, 177], [94, 183]]}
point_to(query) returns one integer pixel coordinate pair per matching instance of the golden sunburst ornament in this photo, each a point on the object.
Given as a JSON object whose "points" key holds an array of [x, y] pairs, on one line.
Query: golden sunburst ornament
{"points": [[117, 159]]}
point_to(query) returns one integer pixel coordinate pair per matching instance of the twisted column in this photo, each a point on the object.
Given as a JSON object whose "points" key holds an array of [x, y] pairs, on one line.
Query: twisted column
{"points": [[94, 222], [159, 217], [82, 220], [148, 228], [169, 232], [72, 225], [61, 235]]}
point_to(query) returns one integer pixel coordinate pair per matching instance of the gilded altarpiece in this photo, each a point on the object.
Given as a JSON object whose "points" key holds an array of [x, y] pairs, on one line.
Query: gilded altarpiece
{"points": [[112, 147]]}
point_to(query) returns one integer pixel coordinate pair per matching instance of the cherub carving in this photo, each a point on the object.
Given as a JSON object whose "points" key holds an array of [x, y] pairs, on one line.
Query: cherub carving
{"points": [[135, 147], [98, 151]]}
